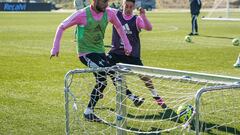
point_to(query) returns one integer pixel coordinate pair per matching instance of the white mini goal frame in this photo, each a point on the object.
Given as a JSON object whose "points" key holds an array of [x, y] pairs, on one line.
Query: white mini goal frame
{"points": [[220, 83]]}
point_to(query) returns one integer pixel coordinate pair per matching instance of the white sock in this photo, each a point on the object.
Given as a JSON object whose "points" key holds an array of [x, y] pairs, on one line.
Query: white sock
{"points": [[154, 92], [88, 110]]}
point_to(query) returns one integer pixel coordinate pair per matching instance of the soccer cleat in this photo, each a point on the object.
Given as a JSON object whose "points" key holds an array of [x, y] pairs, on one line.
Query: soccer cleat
{"points": [[138, 101], [196, 34], [160, 102], [92, 117], [191, 34]]}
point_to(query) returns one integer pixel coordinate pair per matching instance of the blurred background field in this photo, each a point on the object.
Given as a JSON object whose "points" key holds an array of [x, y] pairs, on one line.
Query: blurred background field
{"points": [[160, 4], [32, 100]]}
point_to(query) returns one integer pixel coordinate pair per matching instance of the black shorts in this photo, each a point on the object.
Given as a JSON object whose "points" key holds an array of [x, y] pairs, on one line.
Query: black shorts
{"points": [[95, 60], [113, 59]]}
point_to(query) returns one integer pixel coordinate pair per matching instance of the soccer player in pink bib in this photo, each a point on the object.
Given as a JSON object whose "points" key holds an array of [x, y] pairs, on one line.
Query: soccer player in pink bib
{"points": [[90, 46]]}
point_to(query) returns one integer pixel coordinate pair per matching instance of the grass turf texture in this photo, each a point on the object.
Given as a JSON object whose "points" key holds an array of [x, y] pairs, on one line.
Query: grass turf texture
{"points": [[31, 98]]}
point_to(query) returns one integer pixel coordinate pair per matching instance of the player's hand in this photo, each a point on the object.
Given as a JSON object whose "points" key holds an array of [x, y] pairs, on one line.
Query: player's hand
{"points": [[54, 55], [127, 53], [141, 11], [128, 49]]}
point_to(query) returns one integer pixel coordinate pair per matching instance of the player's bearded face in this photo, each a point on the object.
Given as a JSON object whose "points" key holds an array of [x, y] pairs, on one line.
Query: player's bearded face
{"points": [[128, 7], [101, 5]]}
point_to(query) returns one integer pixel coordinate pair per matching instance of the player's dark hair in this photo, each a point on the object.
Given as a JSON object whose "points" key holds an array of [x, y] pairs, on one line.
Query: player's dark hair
{"points": [[133, 1]]}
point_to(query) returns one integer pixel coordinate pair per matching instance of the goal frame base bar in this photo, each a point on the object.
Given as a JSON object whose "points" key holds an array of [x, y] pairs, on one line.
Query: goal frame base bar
{"points": [[220, 19]]}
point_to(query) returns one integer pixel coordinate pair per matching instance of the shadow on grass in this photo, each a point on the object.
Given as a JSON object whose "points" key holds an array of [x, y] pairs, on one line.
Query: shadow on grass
{"points": [[204, 126], [172, 115], [105, 108], [221, 37], [167, 114], [114, 124], [207, 128]]}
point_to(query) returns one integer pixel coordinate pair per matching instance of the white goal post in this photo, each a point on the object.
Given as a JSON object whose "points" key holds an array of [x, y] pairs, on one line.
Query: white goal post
{"points": [[213, 97], [223, 10]]}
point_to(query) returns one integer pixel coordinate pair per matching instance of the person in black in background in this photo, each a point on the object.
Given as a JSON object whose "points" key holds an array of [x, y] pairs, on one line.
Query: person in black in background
{"points": [[195, 6]]}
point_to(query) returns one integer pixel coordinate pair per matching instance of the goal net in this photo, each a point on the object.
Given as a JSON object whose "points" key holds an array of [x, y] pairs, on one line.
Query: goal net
{"points": [[224, 10], [214, 99]]}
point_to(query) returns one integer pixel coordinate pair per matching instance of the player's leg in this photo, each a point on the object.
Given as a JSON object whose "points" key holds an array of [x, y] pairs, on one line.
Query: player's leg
{"points": [[196, 25], [192, 28], [113, 59], [94, 60], [149, 84], [193, 22], [147, 81], [100, 85]]}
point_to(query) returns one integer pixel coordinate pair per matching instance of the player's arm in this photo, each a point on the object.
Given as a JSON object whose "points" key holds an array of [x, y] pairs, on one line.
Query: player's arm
{"points": [[199, 4], [143, 22], [115, 21], [74, 19]]}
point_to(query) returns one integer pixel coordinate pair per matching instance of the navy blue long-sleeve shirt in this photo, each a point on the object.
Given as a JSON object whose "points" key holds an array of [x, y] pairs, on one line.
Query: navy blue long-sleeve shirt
{"points": [[195, 6]]}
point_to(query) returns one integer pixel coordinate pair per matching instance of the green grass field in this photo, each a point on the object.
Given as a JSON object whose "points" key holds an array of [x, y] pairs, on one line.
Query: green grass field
{"points": [[32, 100]]}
